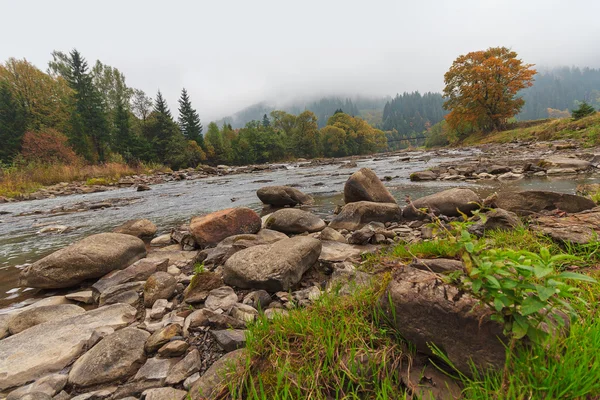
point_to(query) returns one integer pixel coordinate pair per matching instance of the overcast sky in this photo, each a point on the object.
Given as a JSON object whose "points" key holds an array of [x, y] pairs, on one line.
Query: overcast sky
{"points": [[230, 54]]}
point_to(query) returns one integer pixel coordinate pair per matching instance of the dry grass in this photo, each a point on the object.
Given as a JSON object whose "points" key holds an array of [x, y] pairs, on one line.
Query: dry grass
{"points": [[17, 180]]}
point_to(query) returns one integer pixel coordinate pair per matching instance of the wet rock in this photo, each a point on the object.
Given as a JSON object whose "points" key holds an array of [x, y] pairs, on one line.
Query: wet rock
{"points": [[200, 285], [364, 185], [281, 196], [92, 257], [155, 369], [212, 228], [425, 310], [273, 267], [581, 228], [115, 357], [33, 353], [184, 368], [222, 298], [138, 271], [292, 221], [437, 265], [166, 393], [231, 339], [423, 176], [448, 202], [141, 228], [355, 215], [535, 201], [216, 377], [333, 235], [160, 285], [174, 348], [565, 162], [162, 337], [38, 315]]}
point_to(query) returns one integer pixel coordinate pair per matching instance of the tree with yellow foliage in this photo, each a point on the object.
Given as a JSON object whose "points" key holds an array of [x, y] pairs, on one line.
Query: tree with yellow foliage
{"points": [[482, 87]]}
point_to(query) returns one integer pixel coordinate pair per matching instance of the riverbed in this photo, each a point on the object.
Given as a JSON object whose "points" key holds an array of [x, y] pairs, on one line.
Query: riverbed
{"points": [[171, 204]]}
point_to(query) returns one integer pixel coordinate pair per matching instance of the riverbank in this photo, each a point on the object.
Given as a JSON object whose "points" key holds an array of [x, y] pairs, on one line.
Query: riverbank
{"points": [[326, 307]]}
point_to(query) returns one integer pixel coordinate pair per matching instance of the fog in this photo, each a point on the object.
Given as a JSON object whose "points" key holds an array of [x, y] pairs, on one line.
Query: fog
{"points": [[230, 54]]}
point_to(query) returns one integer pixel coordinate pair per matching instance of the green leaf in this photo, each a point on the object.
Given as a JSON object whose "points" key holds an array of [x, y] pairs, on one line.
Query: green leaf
{"points": [[493, 281], [498, 304], [464, 235], [520, 326], [531, 305], [544, 293], [576, 276], [545, 253], [476, 285], [541, 271], [469, 246]]}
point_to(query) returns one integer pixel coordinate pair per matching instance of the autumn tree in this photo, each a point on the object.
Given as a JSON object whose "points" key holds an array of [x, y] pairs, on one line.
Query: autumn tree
{"points": [[482, 86]]}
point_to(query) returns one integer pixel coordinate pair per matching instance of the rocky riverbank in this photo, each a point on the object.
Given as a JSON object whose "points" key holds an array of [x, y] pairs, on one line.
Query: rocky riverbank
{"points": [[155, 320]]}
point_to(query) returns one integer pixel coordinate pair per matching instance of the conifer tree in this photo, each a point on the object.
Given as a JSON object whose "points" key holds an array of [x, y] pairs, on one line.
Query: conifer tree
{"points": [[162, 127], [12, 124], [266, 122], [189, 120], [583, 110]]}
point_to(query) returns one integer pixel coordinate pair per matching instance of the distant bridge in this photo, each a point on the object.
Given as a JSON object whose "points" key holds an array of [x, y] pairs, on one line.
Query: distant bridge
{"points": [[416, 138]]}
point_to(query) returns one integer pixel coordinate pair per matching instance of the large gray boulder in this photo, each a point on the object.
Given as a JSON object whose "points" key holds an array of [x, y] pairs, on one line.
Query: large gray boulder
{"points": [[535, 201], [51, 346], [280, 196], [88, 258], [448, 202], [364, 185], [117, 356], [425, 310], [142, 228], [38, 315], [274, 267], [292, 220], [356, 215]]}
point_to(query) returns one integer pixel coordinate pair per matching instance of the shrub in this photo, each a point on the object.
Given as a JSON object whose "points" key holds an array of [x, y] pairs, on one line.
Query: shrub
{"points": [[48, 146]]}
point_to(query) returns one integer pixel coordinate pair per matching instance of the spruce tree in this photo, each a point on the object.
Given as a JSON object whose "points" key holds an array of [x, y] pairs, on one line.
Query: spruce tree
{"points": [[583, 110], [163, 128], [12, 124], [266, 122], [189, 120]]}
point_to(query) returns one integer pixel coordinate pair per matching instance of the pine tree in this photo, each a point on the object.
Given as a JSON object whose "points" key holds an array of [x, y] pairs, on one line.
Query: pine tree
{"points": [[12, 124], [161, 127], [189, 120], [266, 122], [161, 107], [583, 110]]}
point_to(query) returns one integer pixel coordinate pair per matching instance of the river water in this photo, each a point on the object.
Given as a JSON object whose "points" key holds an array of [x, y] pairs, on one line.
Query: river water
{"points": [[173, 203]]}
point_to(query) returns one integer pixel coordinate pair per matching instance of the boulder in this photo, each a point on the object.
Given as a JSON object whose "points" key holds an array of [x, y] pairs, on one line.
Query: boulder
{"points": [[49, 385], [423, 176], [448, 202], [293, 221], [535, 201], [39, 315], [207, 318], [184, 368], [565, 162], [200, 285], [581, 228], [230, 339], [231, 245], [281, 196], [210, 229], [438, 265], [274, 267], [337, 252], [155, 369], [364, 185], [161, 337], [51, 346], [496, 219], [331, 234], [160, 285], [216, 377], [222, 298], [117, 356], [117, 293], [136, 272], [425, 310], [89, 258], [142, 228], [355, 215]]}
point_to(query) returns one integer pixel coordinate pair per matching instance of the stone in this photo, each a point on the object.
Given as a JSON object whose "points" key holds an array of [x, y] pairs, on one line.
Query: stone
{"points": [[33, 353], [189, 381], [356, 215], [231, 245], [437, 265], [272, 313], [159, 308], [160, 285], [142, 228], [346, 280], [273, 267], [364, 235], [38, 315], [425, 310], [496, 219], [280, 196], [364, 185], [179, 258], [155, 369], [118, 293], [337, 252], [36, 396], [448, 202], [230, 339], [143, 187], [565, 162], [184, 368], [212, 228], [222, 298], [166, 393], [293, 221], [244, 312], [580, 228], [138, 271], [423, 176], [162, 336], [162, 240], [200, 285], [206, 318], [117, 356], [510, 176], [561, 171], [216, 377], [536, 201], [498, 170], [49, 385], [332, 235], [91, 257], [258, 299], [174, 348], [85, 297]]}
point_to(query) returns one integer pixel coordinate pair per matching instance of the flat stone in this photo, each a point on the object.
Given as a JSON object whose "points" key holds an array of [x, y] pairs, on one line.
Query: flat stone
{"points": [[565, 162], [174, 348], [535, 201], [438, 265], [230, 339], [112, 294], [206, 318], [85, 297], [449, 202], [162, 240], [216, 376], [200, 285], [580, 228], [155, 369], [38, 315], [358, 214], [184, 368], [166, 393], [49, 385], [138, 271], [337, 252]]}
